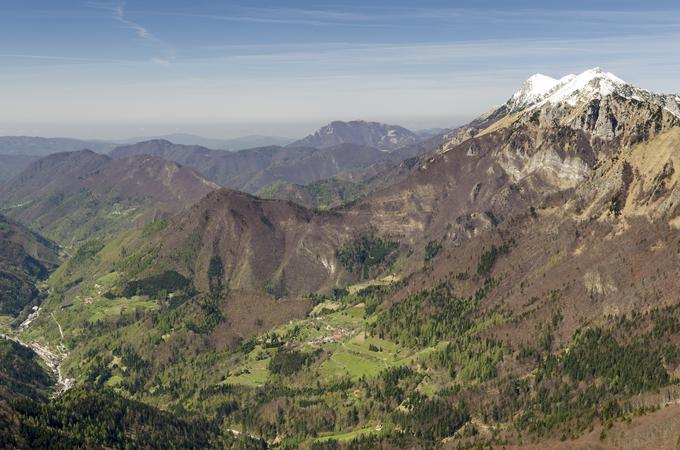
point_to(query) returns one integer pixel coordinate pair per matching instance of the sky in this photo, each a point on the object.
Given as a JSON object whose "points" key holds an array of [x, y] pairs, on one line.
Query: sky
{"points": [[119, 69]]}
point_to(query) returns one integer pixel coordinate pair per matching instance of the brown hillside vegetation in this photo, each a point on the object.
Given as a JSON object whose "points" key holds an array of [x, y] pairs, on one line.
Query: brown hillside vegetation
{"points": [[73, 196], [262, 244], [252, 169], [658, 430]]}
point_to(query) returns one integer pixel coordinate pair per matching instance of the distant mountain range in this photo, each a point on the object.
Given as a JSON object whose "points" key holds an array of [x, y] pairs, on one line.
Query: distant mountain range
{"points": [[233, 144], [40, 146], [370, 134], [16, 152], [253, 169]]}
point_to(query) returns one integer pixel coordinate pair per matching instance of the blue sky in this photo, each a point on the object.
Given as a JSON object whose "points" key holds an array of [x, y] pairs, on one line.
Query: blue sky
{"points": [[112, 69]]}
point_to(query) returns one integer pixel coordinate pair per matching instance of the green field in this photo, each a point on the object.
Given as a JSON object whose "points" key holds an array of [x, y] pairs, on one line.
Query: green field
{"points": [[348, 436], [350, 352]]}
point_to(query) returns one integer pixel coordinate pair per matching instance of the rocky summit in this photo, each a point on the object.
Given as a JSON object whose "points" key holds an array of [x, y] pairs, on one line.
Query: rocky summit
{"points": [[372, 134]]}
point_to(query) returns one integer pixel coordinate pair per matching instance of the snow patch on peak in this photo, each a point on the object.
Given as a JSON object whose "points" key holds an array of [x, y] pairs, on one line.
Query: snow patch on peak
{"points": [[571, 90], [537, 84], [593, 83], [532, 90]]}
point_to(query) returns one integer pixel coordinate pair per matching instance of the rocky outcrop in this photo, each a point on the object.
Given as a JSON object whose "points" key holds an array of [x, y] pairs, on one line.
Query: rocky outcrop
{"points": [[562, 128]]}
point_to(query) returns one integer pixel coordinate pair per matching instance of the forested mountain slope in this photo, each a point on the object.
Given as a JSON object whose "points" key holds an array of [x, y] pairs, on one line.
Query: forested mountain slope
{"points": [[25, 259], [71, 197]]}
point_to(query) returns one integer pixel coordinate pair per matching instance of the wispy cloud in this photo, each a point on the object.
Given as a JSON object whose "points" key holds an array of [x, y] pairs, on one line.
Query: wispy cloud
{"points": [[463, 55], [394, 16], [265, 18], [119, 14], [117, 10], [161, 61]]}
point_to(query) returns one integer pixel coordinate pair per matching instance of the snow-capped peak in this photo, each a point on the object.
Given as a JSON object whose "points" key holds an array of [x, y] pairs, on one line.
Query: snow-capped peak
{"points": [[536, 86], [533, 90], [591, 84], [572, 89]]}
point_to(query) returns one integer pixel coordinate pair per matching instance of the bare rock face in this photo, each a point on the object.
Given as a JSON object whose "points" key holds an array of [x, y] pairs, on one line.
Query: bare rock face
{"points": [[588, 148], [608, 107], [562, 128], [610, 118], [641, 181]]}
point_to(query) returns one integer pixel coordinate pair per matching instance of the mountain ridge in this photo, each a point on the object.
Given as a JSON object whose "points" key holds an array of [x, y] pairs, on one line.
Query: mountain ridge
{"points": [[41, 146], [75, 195], [230, 144], [252, 169], [371, 134]]}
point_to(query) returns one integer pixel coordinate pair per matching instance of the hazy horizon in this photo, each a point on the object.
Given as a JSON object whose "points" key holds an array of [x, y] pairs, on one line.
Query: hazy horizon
{"points": [[291, 130], [118, 70]]}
